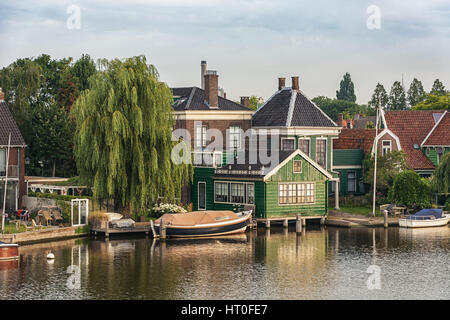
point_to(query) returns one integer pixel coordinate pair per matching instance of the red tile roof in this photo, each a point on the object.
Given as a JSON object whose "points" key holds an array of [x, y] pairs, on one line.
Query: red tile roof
{"points": [[440, 135], [411, 127], [355, 139]]}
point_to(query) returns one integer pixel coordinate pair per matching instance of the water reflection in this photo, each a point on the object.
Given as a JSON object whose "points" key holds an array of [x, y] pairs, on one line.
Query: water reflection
{"points": [[262, 264]]}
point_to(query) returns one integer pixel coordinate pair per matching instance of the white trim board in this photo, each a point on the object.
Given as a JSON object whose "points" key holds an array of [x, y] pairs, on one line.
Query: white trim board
{"points": [[304, 156], [435, 126]]}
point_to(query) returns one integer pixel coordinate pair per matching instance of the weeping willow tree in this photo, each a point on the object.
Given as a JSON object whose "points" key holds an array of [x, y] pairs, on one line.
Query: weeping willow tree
{"points": [[123, 137]]}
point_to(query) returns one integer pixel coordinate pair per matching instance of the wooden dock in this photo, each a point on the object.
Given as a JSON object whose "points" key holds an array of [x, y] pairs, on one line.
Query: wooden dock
{"points": [[267, 222], [139, 228]]}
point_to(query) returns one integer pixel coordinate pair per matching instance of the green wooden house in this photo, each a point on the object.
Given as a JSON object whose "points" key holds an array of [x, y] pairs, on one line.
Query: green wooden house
{"points": [[298, 136]]}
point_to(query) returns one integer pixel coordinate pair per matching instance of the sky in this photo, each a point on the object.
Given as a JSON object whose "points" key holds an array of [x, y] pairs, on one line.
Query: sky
{"points": [[249, 42]]}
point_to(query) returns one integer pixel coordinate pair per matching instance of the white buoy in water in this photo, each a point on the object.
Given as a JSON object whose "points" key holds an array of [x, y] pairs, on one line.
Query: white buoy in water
{"points": [[50, 256]]}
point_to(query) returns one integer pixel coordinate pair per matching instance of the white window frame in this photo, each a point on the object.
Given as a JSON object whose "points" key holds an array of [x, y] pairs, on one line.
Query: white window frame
{"points": [[383, 147], [229, 192], [234, 131], [326, 151], [295, 184], [301, 166], [200, 142], [348, 184], [282, 143], [309, 145], [198, 195]]}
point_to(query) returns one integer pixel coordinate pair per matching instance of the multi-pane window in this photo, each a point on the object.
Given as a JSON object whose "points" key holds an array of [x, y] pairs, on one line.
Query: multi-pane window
{"points": [[296, 193], [386, 146], [297, 166], [351, 181], [288, 144], [238, 193], [221, 192], [200, 137], [250, 193], [2, 162], [303, 145], [321, 152], [234, 192], [235, 137]]}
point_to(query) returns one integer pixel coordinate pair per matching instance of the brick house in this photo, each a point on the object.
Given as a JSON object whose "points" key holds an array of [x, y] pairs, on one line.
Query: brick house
{"points": [[300, 135], [423, 135], [204, 113], [16, 164]]}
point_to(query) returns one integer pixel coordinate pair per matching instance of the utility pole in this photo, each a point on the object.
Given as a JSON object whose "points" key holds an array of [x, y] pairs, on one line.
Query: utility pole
{"points": [[375, 164], [6, 184]]}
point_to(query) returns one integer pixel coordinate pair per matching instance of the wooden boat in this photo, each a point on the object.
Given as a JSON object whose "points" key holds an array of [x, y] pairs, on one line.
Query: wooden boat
{"points": [[203, 223], [9, 251], [425, 218]]}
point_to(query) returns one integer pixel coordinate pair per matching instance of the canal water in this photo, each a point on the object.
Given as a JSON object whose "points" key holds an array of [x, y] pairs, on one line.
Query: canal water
{"points": [[322, 263]]}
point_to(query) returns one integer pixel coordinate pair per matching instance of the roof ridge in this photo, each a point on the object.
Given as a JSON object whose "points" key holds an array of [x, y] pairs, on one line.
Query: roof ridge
{"points": [[318, 107], [291, 108], [434, 127], [191, 95]]}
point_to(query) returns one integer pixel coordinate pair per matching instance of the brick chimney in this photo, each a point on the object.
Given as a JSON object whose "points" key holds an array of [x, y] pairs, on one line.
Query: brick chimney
{"points": [[281, 83], [295, 83], [2, 95], [212, 89], [340, 119], [245, 101], [203, 72]]}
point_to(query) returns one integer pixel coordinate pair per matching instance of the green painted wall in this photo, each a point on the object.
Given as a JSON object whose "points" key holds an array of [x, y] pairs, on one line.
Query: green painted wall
{"points": [[343, 178], [432, 154], [286, 174], [342, 157]]}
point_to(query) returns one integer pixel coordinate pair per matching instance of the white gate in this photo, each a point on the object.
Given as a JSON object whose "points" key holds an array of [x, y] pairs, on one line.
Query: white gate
{"points": [[80, 215]]}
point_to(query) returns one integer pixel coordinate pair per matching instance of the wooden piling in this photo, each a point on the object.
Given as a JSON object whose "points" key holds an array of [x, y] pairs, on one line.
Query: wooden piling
{"points": [[298, 223], [162, 229], [322, 221], [386, 222], [152, 227], [304, 222], [285, 223], [268, 224]]}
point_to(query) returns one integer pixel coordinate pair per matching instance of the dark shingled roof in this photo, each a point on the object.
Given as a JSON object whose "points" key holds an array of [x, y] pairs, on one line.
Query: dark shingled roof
{"points": [[193, 98], [278, 112], [282, 155], [7, 125]]}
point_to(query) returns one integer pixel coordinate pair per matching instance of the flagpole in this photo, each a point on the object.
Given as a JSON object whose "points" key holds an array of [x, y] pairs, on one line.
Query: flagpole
{"points": [[375, 164], [6, 184]]}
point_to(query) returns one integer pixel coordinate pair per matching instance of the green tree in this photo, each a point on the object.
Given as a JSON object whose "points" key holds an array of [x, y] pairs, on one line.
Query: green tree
{"points": [[438, 88], [346, 90], [82, 70], [441, 176], [332, 107], [21, 82], [388, 167], [434, 102], [123, 136], [379, 97], [410, 190], [415, 92], [397, 99]]}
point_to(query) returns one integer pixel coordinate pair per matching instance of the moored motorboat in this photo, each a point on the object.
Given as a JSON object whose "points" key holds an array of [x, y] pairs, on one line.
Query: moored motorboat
{"points": [[203, 223], [425, 218], [9, 251]]}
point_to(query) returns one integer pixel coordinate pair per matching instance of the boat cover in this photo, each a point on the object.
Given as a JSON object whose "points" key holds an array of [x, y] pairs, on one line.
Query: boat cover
{"points": [[425, 214], [197, 217]]}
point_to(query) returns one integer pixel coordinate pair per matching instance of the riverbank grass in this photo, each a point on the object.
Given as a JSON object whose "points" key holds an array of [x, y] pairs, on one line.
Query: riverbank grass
{"points": [[360, 210]]}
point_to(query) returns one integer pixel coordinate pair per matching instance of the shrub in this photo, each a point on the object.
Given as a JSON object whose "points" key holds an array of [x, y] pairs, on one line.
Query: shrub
{"points": [[160, 209], [410, 190]]}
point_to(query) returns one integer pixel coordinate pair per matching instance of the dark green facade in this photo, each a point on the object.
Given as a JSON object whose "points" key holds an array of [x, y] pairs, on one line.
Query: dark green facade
{"points": [[266, 195]]}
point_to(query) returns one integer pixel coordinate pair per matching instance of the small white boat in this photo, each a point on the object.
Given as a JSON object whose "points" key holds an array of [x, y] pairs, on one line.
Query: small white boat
{"points": [[425, 218]]}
